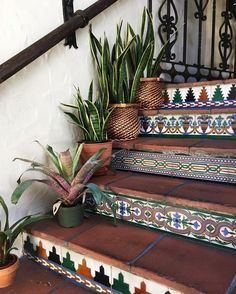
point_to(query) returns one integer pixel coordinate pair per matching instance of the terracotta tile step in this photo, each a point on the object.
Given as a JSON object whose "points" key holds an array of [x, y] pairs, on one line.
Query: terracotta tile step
{"points": [[33, 278], [222, 147], [207, 196], [170, 262]]}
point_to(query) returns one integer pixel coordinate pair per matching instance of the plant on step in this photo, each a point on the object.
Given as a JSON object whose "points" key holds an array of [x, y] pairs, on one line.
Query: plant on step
{"points": [[142, 40], [9, 233], [115, 78], [69, 179], [90, 116]]}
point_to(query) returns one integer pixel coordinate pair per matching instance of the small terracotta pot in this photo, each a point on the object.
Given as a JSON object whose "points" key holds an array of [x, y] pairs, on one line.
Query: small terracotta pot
{"points": [[8, 272], [90, 149]]}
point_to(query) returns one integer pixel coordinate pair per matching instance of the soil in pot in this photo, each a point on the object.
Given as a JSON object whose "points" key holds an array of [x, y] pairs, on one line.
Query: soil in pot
{"points": [[8, 272], [70, 216], [90, 149]]}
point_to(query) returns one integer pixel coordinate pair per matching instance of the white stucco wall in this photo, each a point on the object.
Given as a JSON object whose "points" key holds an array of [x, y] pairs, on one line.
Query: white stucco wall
{"points": [[29, 101]]}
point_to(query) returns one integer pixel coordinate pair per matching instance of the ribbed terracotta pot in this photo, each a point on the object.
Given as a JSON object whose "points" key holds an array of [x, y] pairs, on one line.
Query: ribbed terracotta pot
{"points": [[149, 94], [90, 149], [124, 122], [70, 217], [8, 272]]}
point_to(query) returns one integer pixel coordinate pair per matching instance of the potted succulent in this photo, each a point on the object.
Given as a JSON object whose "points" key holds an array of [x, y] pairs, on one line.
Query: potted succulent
{"points": [[119, 82], [70, 181], [9, 262], [92, 118]]}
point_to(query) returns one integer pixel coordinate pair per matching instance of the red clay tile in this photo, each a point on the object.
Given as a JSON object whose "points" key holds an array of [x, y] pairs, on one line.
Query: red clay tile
{"points": [[39, 280], [150, 187], [115, 245], [127, 144], [211, 146], [50, 230], [110, 177], [223, 110], [182, 262], [201, 192]]}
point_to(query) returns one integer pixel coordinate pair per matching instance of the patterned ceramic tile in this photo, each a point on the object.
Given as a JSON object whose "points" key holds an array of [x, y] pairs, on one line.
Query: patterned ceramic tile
{"points": [[194, 166], [185, 221], [220, 95], [92, 273], [223, 125]]}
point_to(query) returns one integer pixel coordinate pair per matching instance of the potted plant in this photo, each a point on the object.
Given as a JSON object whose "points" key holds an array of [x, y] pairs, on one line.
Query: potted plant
{"points": [[9, 262], [92, 118], [69, 180], [119, 82], [149, 94]]}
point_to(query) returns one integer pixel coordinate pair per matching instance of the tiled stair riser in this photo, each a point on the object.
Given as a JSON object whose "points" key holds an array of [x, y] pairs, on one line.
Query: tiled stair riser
{"points": [[197, 224], [91, 273], [200, 96], [190, 125], [188, 166]]}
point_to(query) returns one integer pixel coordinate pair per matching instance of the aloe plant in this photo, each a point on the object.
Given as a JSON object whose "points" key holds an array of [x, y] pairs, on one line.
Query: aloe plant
{"points": [[8, 234], [115, 77], [69, 179], [91, 117]]}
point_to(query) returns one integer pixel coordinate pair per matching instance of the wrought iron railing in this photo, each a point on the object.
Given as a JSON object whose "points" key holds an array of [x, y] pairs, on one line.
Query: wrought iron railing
{"points": [[204, 46]]}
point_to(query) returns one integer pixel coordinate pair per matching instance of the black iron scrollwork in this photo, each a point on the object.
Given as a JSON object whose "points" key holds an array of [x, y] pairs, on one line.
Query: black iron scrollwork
{"points": [[226, 36], [68, 12], [201, 6], [169, 20]]}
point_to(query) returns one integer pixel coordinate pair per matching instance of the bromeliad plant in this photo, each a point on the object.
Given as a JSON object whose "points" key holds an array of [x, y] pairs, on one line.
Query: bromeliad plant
{"points": [[116, 79], [70, 180], [91, 117], [8, 234]]}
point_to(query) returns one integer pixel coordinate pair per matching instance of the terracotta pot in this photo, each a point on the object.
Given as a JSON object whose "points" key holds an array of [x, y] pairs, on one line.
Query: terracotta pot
{"points": [[149, 94], [90, 148], [70, 217], [8, 272], [124, 122]]}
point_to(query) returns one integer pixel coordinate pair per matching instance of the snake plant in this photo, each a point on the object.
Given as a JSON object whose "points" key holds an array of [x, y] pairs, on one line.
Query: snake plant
{"points": [[8, 234], [145, 37], [91, 117], [116, 79], [68, 179]]}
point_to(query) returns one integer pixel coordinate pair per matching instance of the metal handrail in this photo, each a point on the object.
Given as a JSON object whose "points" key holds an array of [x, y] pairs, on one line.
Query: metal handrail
{"points": [[26, 56]]}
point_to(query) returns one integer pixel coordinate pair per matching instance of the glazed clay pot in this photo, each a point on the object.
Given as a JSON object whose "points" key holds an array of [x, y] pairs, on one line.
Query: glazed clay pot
{"points": [[8, 272], [69, 217], [90, 149]]}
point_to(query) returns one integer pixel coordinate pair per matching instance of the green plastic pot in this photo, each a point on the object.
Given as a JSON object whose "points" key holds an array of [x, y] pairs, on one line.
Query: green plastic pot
{"points": [[70, 217]]}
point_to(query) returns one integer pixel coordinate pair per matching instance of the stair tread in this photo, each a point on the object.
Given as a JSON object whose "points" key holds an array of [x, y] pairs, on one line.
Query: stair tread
{"points": [[41, 281], [222, 147], [204, 195], [187, 266]]}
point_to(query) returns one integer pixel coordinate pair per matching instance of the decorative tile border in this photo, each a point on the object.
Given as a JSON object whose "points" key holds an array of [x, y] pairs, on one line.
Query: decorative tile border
{"points": [[86, 271], [204, 96], [223, 125], [205, 226], [175, 165]]}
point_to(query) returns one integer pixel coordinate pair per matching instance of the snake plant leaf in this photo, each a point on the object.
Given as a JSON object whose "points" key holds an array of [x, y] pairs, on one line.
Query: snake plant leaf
{"points": [[5, 209], [94, 119], [20, 189], [159, 58], [96, 48], [142, 64], [143, 24], [90, 93], [69, 105]]}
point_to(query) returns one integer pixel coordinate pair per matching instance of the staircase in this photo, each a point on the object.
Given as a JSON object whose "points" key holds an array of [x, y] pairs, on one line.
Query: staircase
{"points": [[175, 196]]}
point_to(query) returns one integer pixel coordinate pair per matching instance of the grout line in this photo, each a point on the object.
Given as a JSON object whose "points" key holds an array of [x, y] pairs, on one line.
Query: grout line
{"points": [[149, 247], [187, 181]]}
